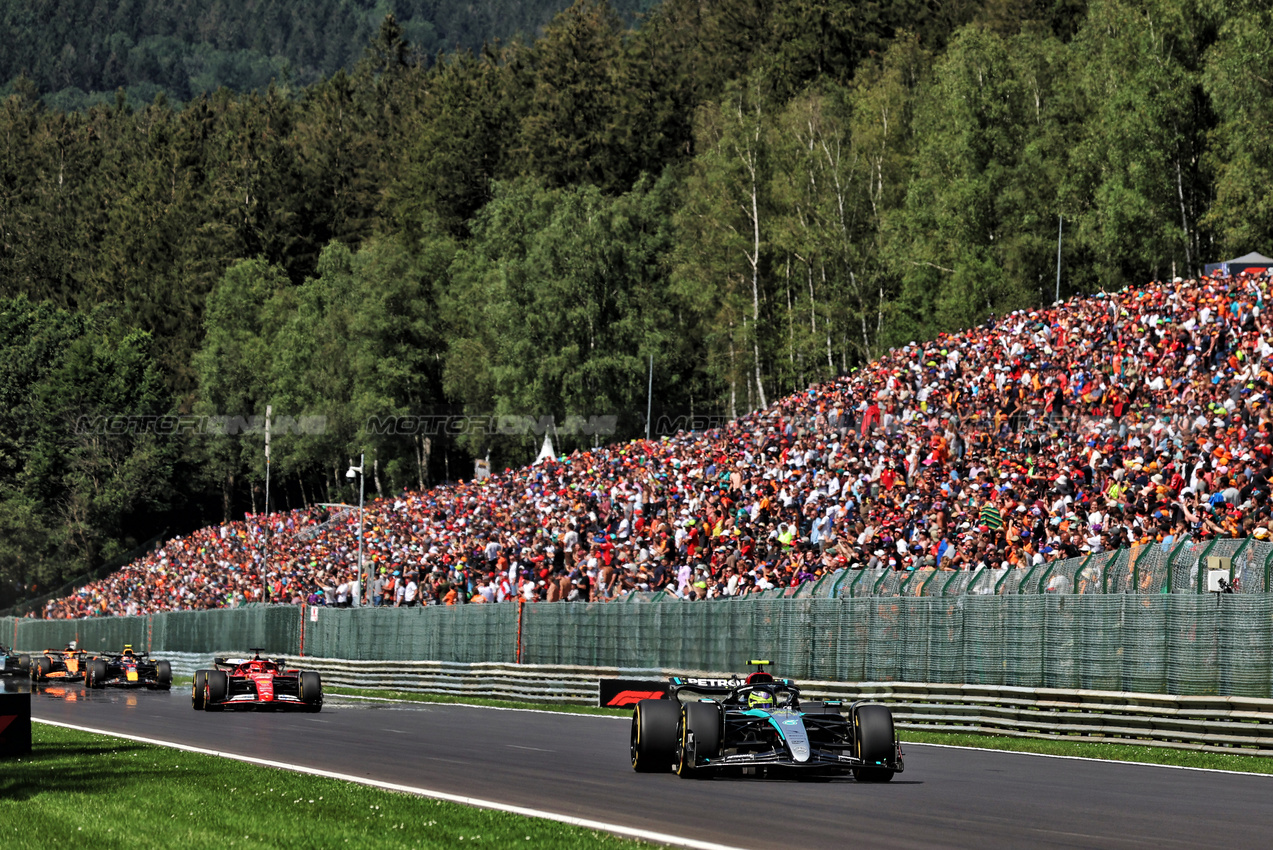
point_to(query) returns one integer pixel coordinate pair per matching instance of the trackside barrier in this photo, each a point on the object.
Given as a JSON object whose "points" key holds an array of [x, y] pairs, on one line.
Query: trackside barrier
{"points": [[1137, 643], [543, 683], [1204, 723]]}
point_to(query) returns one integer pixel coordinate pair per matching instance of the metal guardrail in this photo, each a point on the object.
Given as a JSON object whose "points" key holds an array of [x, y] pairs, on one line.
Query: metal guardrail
{"points": [[1203, 723], [523, 683]]}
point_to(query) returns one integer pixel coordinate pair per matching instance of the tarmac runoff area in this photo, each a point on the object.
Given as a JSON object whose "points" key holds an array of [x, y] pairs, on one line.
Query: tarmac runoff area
{"points": [[575, 769]]}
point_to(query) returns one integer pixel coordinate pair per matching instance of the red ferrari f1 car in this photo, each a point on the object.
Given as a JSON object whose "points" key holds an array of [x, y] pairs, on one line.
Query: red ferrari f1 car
{"points": [[256, 682]]}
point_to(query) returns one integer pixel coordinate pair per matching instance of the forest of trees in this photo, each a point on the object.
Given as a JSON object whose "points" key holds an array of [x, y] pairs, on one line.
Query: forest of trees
{"points": [[757, 195], [80, 53]]}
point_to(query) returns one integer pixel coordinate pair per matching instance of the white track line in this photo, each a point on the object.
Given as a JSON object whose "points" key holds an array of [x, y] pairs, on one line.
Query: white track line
{"points": [[906, 744], [631, 832]]}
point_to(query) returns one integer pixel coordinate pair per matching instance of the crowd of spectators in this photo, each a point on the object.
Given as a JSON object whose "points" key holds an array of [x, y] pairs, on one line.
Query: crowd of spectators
{"points": [[1138, 417]]}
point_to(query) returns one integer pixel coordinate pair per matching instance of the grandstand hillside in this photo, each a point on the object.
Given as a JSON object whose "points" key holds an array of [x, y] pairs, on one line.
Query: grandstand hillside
{"points": [[1128, 419]]}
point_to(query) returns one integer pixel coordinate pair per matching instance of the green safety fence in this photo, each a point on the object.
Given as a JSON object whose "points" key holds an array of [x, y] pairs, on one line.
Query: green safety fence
{"points": [[1151, 643], [461, 633], [275, 628], [1177, 567], [1206, 644]]}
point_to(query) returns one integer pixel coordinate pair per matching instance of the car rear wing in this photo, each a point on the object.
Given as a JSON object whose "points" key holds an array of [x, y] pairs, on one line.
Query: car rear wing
{"points": [[231, 663], [726, 684]]}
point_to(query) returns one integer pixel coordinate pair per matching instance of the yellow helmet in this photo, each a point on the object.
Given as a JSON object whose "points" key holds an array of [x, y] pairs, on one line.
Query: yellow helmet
{"points": [[760, 699]]}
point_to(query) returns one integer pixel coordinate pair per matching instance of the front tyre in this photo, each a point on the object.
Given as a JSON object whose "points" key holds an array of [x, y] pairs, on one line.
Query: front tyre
{"points": [[163, 675], [700, 730], [312, 690], [874, 741], [216, 688], [197, 690], [654, 727]]}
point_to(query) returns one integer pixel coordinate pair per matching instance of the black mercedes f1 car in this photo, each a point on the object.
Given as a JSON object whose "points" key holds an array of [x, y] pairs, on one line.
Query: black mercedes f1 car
{"points": [[760, 727], [14, 663]]}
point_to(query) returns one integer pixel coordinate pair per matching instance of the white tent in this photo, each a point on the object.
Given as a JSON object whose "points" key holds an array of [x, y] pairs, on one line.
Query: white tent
{"points": [[546, 453], [1247, 262]]}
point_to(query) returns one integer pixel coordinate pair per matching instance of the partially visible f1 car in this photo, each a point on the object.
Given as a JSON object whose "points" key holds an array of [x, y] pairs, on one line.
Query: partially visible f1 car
{"points": [[761, 727], [14, 663], [59, 665], [256, 682], [128, 669]]}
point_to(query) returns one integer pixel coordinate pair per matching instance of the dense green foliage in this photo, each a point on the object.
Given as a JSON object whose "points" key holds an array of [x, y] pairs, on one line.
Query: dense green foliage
{"points": [[79, 53], [757, 195]]}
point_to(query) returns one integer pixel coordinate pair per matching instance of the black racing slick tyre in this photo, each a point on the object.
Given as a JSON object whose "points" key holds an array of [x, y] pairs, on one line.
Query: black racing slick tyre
{"points": [[197, 690], [216, 688], [699, 734], [312, 690], [41, 669], [654, 723], [24, 663], [874, 741], [95, 677], [163, 675]]}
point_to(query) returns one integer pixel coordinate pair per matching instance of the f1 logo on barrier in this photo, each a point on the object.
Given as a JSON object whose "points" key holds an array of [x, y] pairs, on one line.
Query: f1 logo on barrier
{"points": [[623, 693], [634, 697]]}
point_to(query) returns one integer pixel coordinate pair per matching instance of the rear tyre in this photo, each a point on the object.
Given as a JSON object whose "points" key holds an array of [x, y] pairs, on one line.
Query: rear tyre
{"points": [[95, 676], [216, 687], [197, 690], [653, 743], [874, 741], [700, 730], [312, 690], [24, 663], [41, 669], [163, 675]]}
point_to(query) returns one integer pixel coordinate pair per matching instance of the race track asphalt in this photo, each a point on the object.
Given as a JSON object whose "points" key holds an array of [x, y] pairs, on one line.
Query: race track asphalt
{"points": [[578, 766]]}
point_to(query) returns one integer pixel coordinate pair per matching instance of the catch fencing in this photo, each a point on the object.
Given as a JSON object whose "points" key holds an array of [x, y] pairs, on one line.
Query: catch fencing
{"points": [[1179, 568], [1183, 644]]}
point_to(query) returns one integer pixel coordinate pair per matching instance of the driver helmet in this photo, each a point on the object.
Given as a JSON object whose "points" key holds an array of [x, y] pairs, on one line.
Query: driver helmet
{"points": [[760, 698]]}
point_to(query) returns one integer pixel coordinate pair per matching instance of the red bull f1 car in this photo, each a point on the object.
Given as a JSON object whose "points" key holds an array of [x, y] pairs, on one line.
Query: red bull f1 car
{"points": [[59, 665], [256, 683], [760, 727], [127, 669]]}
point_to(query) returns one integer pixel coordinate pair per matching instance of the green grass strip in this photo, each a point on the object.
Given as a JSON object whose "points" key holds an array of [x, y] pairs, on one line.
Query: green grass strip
{"points": [[78, 789]]}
